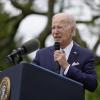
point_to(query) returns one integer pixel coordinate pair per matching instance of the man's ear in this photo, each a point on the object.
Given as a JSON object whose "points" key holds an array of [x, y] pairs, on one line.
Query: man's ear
{"points": [[73, 31]]}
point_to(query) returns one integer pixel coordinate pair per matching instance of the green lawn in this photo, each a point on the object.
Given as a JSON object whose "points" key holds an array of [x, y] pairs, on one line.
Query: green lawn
{"points": [[95, 95]]}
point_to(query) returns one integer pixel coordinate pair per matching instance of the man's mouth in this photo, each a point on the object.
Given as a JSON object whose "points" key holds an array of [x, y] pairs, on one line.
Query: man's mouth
{"points": [[57, 38]]}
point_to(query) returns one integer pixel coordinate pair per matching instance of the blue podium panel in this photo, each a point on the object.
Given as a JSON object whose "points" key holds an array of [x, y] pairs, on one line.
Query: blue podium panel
{"points": [[32, 82]]}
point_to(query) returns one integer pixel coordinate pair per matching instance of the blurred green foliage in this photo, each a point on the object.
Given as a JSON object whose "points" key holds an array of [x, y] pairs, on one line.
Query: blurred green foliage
{"points": [[95, 95]]}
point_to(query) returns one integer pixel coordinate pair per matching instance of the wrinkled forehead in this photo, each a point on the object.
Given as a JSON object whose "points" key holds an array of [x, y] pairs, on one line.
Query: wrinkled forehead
{"points": [[62, 19]]}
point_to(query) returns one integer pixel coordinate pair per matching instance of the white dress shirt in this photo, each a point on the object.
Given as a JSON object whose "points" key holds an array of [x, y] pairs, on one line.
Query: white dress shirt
{"points": [[67, 51]]}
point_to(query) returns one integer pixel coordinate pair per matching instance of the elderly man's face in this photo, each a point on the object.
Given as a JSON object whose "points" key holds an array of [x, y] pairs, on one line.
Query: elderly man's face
{"points": [[62, 30]]}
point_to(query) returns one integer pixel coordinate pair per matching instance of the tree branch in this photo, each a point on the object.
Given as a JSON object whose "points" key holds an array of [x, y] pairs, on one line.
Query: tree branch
{"points": [[26, 11], [96, 45], [42, 37], [89, 22]]}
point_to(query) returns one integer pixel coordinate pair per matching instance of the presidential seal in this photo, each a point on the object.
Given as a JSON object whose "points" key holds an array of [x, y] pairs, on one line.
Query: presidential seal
{"points": [[5, 88]]}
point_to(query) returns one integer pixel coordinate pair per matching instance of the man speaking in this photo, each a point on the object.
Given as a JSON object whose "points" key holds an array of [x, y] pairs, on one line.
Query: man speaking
{"points": [[69, 59]]}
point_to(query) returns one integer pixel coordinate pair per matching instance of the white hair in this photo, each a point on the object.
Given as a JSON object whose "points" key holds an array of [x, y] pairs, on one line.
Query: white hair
{"points": [[72, 21]]}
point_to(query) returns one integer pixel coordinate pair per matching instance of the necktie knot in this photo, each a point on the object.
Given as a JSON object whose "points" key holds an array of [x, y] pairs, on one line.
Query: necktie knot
{"points": [[63, 50]]}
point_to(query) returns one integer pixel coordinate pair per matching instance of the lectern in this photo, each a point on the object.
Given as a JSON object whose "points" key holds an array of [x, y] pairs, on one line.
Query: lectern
{"points": [[32, 82]]}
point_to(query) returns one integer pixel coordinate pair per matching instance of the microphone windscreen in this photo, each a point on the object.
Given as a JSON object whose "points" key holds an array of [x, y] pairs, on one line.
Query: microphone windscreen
{"points": [[30, 46], [57, 45]]}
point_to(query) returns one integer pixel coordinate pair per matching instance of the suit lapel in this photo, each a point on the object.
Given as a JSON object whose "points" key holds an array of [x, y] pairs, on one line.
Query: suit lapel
{"points": [[55, 68], [73, 57]]}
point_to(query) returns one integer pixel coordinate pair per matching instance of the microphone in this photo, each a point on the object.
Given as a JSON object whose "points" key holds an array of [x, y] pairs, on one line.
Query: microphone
{"points": [[57, 47], [25, 49]]}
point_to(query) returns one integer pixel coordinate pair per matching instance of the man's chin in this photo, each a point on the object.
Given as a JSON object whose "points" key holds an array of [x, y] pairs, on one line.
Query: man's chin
{"points": [[57, 40]]}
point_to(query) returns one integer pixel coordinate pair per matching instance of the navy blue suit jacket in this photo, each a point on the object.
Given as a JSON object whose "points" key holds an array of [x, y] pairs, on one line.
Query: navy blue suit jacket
{"points": [[81, 61]]}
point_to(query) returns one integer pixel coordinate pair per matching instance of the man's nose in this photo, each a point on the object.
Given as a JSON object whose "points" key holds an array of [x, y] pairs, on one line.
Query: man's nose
{"points": [[56, 31]]}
